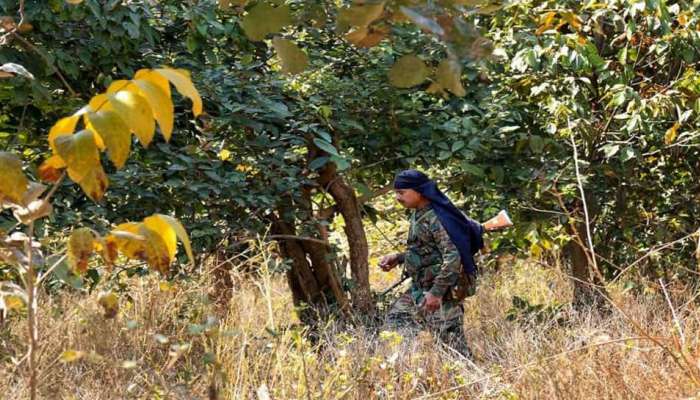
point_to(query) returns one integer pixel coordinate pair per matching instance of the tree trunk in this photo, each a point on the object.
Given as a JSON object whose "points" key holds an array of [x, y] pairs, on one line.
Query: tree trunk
{"points": [[312, 278], [306, 293], [348, 205], [588, 289]]}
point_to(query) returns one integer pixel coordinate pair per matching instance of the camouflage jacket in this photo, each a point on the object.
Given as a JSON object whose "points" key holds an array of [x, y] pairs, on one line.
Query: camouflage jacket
{"points": [[431, 259]]}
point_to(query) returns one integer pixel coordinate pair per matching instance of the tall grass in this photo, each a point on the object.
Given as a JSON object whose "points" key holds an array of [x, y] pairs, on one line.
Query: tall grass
{"points": [[172, 342]]}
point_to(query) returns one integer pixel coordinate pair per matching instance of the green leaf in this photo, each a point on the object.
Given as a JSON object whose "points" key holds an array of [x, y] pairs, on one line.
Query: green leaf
{"points": [[627, 154], [264, 19], [293, 59], [318, 163], [472, 169], [325, 146], [536, 144]]}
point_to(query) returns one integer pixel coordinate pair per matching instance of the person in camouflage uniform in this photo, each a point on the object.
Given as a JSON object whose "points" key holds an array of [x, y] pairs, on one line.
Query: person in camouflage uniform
{"points": [[438, 281]]}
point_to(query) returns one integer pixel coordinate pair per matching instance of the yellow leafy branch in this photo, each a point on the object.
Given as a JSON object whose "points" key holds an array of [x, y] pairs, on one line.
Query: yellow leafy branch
{"points": [[154, 241], [109, 119]]}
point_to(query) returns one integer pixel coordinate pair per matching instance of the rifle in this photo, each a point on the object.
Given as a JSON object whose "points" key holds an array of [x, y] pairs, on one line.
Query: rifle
{"points": [[499, 222]]}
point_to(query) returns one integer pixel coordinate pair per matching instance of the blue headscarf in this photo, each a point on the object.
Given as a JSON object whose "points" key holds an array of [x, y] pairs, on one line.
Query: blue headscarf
{"points": [[464, 232]]}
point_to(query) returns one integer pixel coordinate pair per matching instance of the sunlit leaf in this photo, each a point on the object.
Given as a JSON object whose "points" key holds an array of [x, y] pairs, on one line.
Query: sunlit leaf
{"points": [[158, 225], [79, 152], [64, 126], [12, 302], [108, 249], [294, 60], [69, 356], [114, 132], [180, 232], [95, 183], [135, 110], [128, 240], [80, 248], [144, 244], [13, 183], [180, 78], [671, 133], [157, 249], [156, 90], [408, 71], [50, 169]]}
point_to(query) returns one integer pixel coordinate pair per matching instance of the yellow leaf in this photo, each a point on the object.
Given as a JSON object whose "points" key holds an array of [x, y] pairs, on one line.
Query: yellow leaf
{"points": [[157, 250], [546, 22], [110, 304], [294, 60], [79, 152], [408, 71], [137, 241], [49, 170], [180, 232], [224, 155], [80, 247], [114, 133], [13, 183], [136, 113], [95, 183], [107, 247], [671, 133], [71, 356], [535, 250], [264, 19], [155, 78], [180, 78], [165, 287], [158, 225], [126, 237], [160, 102], [64, 126], [12, 302], [572, 19]]}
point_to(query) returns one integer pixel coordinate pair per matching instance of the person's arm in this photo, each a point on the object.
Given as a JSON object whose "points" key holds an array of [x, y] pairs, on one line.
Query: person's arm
{"points": [[451, 266]]}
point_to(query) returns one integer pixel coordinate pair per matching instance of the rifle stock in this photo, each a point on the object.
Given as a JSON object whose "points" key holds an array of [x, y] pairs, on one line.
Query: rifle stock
{"points": [[500, 221]]}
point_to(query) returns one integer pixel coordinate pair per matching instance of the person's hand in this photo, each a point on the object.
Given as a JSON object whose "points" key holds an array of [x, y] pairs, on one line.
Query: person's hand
{"points": [[387, 263], [431, 303]]}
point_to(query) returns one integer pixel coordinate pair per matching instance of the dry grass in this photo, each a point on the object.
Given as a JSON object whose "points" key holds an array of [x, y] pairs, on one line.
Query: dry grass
{"points": [[255, 348]]}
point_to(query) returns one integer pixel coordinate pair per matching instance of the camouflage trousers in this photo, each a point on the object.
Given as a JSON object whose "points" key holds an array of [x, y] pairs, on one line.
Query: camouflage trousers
{"points": [[407, 316]]}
